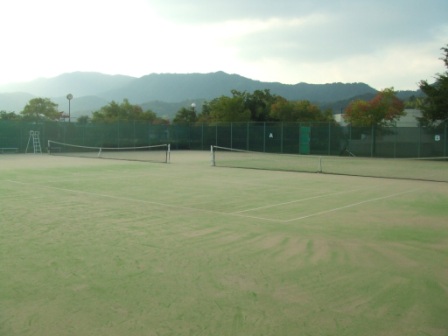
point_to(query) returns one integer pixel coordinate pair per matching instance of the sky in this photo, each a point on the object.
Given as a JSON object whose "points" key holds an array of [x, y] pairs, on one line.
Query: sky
{"points": [[383, 43]]}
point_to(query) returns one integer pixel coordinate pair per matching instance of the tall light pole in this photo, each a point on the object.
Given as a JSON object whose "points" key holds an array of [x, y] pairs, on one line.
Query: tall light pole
{"points": [[192, 118], [69, 97]]}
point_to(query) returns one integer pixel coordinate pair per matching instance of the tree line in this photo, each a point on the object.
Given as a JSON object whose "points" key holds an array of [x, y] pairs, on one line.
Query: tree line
{"points": [[263, 106], [260, 105]]}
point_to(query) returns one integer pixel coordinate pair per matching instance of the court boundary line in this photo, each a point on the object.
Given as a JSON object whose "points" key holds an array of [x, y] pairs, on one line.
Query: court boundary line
{"points": [[141, 201], [212, 211]]}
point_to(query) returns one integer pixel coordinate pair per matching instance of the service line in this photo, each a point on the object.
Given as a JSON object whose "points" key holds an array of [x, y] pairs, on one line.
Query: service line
{"points": [[348, 206], [298, 200]]}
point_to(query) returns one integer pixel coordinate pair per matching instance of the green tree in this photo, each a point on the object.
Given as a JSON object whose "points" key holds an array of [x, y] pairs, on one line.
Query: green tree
{"points": [[240, 107], [9, 116], [125, 111], [41, 108], [185, 115], [258, 103], [298, 111], [413, 102], [205, 115], [83, 119], [229, 109], [435, 103]]}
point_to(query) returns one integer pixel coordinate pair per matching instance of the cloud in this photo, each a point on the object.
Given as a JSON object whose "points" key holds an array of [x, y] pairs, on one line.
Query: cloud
{"points": [[329, 35], [382, 43], [213, 11]]}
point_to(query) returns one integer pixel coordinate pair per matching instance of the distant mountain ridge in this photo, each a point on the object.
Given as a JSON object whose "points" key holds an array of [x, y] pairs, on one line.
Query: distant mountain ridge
{"points": [[164, 93], [79, 83], [177, 87]]}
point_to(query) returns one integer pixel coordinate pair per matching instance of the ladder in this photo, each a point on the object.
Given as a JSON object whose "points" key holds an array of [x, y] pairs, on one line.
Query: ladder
{"points": [[34, 138]]}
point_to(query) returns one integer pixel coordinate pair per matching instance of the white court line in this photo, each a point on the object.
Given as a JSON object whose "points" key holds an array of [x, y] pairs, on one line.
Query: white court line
{"points": [[348, 206], [299, 200], [103, 195], [211, 211], [129, 199]]}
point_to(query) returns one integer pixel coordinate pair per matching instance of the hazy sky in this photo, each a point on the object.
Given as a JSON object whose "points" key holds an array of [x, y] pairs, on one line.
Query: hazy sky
{"points": [[383, 43]]}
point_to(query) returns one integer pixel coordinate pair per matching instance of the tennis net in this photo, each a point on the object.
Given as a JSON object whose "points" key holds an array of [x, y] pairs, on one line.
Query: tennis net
{"points": [[427, 169], [154, 153]]}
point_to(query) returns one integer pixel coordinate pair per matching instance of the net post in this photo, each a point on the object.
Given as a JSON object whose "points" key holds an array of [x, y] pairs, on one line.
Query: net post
{"points": [[319, 164], [99, 152], [212, 156]]}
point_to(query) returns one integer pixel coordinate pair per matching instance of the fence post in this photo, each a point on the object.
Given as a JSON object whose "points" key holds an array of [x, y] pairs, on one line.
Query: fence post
{"points": [[445, 138], [419, 140], [247, 135], [202, 135], [281, 139], [189, 135], [395, 140], [264, 137], [118, 133], [349, 143], [231, 135], [134, 135]]}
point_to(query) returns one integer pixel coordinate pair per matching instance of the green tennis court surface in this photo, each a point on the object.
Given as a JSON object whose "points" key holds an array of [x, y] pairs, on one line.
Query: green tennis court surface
{"points": [[105, 247]]}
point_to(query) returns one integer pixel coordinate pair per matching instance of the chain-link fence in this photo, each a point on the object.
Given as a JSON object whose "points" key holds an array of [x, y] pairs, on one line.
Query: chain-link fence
{"points": [[292, 138]]}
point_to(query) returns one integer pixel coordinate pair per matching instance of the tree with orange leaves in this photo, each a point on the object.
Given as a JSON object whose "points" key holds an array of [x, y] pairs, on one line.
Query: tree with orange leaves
{"points": [[383, 110]]}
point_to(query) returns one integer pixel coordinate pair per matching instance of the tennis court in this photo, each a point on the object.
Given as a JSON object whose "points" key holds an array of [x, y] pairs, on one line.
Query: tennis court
{"points": [[93, 246]]}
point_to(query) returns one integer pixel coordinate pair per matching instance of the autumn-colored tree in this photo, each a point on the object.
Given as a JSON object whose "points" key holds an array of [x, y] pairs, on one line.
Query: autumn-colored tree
{"points": [[384, 109]]}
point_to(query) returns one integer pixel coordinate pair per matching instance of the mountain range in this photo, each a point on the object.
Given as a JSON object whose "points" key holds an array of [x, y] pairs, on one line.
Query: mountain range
{"points": [[165, 94]]}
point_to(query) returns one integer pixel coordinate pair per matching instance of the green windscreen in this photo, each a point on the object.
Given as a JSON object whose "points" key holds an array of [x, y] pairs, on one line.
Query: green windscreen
{"points": [[305, 136]]}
